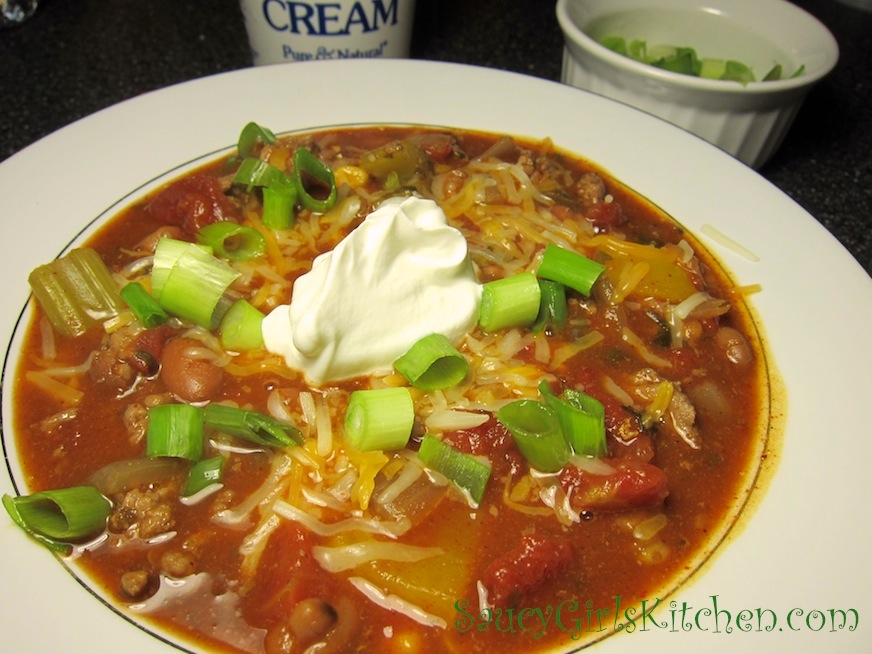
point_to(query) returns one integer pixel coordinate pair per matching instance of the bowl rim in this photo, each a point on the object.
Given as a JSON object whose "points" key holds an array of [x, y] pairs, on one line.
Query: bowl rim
{"points": [[575, 37]]}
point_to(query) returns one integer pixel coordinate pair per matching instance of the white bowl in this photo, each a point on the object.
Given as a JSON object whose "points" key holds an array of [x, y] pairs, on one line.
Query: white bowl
{"points": [[750, 121]]}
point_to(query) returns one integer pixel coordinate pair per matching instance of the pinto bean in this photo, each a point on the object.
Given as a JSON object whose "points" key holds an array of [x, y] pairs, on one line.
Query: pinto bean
{"points": [[312, 618], [314, 625], [189, 377], [279, 639], [735, 346], [709, 399]]}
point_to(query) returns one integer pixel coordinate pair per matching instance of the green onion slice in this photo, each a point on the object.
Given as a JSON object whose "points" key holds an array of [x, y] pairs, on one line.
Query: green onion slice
{"points": [[306, 166], [686, 61], [166, 254], [279, 191], [175, 430], [509, 302], [537, 432], [76, 292], [379, 419], [143, 305], [256, 172], [553, 310], [203, 473], [232, 241], [250, 136], [582, 419], [56, 517], [241, 327], [279, 198], [252, 426], [464, 470], [736, 71], [432, 364], [569, 268], [196, 285]]}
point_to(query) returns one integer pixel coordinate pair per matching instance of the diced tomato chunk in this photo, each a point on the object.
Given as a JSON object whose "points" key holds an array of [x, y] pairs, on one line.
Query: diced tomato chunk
{"points": [[287, 577], [191, 203], [526, 567], [489, 438], [633, 484], [606, 214]]}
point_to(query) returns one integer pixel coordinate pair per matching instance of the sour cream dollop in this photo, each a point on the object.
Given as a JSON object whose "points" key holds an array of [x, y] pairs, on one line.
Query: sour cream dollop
{"points": [[402, 274]]}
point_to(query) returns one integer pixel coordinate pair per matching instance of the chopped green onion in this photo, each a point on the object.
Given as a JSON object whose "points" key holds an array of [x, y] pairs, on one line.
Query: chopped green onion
{"points": [[681, 60], [582, 419], [240, 328], [252, 426], [232, 241], [166, 254], [774, 74], [537, 432], [307, 165], [712, 68], [569, 268], [509, 302], [615, 44], [552, 308], [256, 172], [195, 287], [684, 60], [432, 364], [736, 71], [462, 469], [638, 50], [175, 430], [203, 473], [76, 292], [379, 419], [250, 136], [143, 305], [56, 517], [279, 198], [279, 191]]}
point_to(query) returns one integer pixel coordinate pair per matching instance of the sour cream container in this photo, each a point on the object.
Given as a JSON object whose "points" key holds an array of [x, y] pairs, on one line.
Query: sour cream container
{"points": [[282, 31]]}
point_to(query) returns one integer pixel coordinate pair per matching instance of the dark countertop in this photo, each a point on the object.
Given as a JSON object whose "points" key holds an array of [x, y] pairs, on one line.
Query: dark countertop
{"points": [[75, 57]]}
